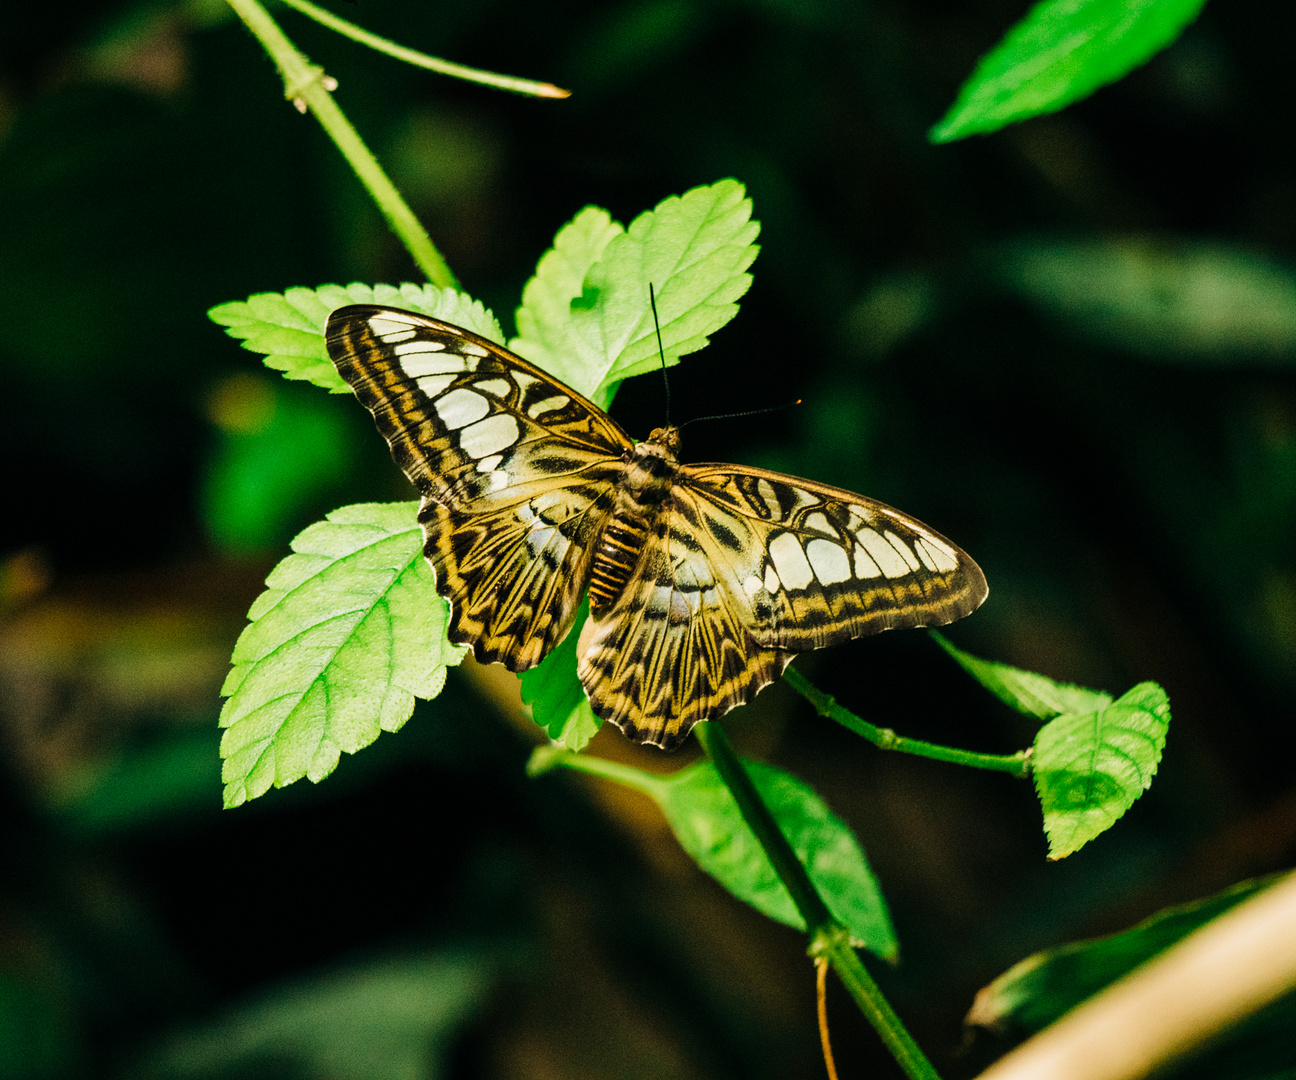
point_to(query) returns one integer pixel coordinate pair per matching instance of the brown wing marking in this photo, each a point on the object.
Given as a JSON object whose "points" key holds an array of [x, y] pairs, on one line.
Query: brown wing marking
{"points": [[516, 472], [673, 649], [816, 565]]}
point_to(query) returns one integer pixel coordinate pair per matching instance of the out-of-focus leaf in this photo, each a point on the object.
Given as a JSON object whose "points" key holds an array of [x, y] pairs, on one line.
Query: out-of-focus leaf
{"points": [[1089, 768], [288, 327], [1062, 51], [264, 474], [1033, 993], [37, 1036], [168, 782], [556, 696], [348, 632], [1026, 691], [388, 1019], [710, 827], [1185, 300]]}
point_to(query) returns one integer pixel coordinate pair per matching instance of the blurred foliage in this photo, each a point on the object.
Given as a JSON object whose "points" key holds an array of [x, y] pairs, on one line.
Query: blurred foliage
{"points": [[1066, 346]]}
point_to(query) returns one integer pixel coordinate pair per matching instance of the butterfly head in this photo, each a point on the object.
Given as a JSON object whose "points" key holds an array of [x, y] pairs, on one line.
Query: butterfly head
{"points": [[665, 441]]}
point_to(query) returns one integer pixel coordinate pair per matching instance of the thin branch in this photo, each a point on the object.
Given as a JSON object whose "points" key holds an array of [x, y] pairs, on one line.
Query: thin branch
{"points": [[306, 86], [821, 1001], [1018, 764], [432, 63]]}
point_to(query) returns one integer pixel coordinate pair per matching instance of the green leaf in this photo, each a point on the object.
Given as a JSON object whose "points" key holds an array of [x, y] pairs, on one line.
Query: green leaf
{"points": [[1090, 767], [348, 632], [1183, 300], [709, 826], [289, 327], [1033, 993], [556, 696], [544, 318], [383, 1019], [1025, 691], [1062, 51], [694, 249], [264, 477]]}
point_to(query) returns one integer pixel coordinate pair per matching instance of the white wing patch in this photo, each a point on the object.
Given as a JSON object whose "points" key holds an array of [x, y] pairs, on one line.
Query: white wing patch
{"points": [[461, 407], [902, 548], [432, 364], [489, 436], [432, 385], [882, 553], [790, 561], [829, 561]]}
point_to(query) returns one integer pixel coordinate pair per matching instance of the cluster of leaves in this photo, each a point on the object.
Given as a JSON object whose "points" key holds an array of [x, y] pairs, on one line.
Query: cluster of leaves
{"points": [[351, 630]]}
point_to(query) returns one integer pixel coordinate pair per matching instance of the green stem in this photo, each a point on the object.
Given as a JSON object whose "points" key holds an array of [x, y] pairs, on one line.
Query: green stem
{"points": [[432, 63], [544, 758], [827, 936], [307, 87], [1018, 764]]}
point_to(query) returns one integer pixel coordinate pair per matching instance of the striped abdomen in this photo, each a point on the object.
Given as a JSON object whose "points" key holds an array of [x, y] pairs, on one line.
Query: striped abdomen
{"points": [[615, 558], [650, 471]]}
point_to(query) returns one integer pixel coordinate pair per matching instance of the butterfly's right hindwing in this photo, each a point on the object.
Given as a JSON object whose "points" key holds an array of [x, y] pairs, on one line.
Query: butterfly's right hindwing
{"points": [[516, 472]]}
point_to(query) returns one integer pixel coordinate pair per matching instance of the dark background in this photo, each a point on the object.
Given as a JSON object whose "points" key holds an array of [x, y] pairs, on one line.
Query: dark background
{"points": [[1068, 346]]}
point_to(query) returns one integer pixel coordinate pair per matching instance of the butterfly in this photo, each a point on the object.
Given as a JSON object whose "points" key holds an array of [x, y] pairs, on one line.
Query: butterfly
{"points": [[703, 580]]}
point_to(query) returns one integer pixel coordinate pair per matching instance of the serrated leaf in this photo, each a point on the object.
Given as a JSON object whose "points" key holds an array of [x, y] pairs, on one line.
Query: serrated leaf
{"points": [[709, 826], [1062, 51], [288, 327], [694, 249], [556, 696], [1025, 691], [1089, 768], [1033, 993], [348, 632]]}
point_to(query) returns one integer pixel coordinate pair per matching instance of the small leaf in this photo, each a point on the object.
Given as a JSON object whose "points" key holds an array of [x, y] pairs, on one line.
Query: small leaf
{"points": [[1062, 51], [1025, 691], [348, 632], [1090, 767], [694, 249], [556, 696], [709, 826], [289, 327], [1033, 993]]}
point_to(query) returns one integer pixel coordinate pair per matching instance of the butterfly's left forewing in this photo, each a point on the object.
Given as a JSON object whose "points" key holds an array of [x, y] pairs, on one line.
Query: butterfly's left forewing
{"points": [[516, 471]]}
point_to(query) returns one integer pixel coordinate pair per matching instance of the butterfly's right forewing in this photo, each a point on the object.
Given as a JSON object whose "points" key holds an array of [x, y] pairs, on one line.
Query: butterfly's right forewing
{"points": [[515, 469]]}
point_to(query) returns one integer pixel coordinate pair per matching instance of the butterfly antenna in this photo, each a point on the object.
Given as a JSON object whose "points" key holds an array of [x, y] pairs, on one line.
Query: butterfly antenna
{"points": [[652, 302], [748, 412]]}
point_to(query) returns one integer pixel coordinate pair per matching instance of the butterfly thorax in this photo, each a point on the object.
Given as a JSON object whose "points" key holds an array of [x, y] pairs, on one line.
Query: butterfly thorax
{"points": [[644, 487]]}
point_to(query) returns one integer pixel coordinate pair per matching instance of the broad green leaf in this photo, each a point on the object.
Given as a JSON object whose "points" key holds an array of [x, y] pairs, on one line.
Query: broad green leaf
{"points": [[348, 632], [1062, 51], [1025, 691], [1033, 993], [544, 319], [556, 696], [1184, 300], [709, 826], [694, 249], [375, 1021], [1090, 767], [289, 327]]}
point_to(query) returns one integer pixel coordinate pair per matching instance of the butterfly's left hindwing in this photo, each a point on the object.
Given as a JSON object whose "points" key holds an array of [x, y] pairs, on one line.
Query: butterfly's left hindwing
{"points": [[516, 472]]}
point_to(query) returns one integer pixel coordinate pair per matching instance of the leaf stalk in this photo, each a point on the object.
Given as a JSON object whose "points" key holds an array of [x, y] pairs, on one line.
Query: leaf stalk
{"points": [[1018, 764]]}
